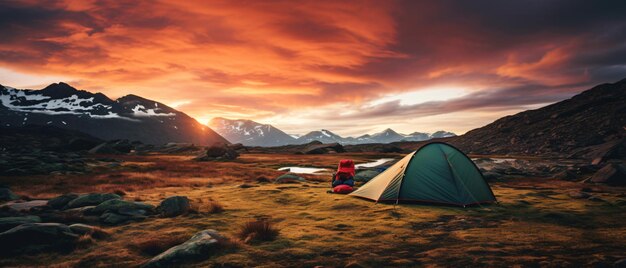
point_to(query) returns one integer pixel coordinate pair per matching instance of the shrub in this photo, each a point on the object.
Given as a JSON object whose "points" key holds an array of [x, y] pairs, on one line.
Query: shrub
{"points": [[215, 207], [260, 230]]}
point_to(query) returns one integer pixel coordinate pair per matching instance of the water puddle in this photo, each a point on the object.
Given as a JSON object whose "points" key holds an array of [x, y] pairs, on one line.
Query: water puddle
{"points": [[373, 164], [303, 170]]}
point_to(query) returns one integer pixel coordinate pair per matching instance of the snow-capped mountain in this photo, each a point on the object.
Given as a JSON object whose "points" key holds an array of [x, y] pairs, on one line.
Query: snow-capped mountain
{"points": [[387, 136], [250, 133], [129, 117], [324, 136]]}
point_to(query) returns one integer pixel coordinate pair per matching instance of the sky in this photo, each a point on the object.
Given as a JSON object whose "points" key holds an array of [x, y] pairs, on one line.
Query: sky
{"points": [[352, 67]]}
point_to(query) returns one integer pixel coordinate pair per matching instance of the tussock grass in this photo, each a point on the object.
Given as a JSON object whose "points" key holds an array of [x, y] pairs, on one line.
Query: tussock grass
{"points": [[259, 230]]}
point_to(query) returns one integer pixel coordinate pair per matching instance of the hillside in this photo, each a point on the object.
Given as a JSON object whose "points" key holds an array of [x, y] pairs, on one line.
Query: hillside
{"points": [[589, 125]]}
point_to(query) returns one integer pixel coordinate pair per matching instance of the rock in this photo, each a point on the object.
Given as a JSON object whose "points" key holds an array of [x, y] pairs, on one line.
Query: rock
{"points": [[83, 229], [24, 206], [365, 175], [115, 219], [612, 174], [174, 206], [289, 178], [92, 199], [7, 195], [123, 207], [620, 263], [579, 195], [491, 176], [61, 201], [217, 152], [7, 223], [262, 179], [199, 247], [36, 237], [245, 185], [323, 148]]}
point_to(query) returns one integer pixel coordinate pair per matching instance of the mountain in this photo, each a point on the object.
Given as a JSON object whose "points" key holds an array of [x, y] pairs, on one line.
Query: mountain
{"points": [[386, 136], [589, 125], [324, 136], [130, 117], [250, 133]]}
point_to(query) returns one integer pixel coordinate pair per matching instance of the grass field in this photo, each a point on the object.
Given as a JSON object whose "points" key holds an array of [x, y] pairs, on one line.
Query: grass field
{"points": [[535, 222]]}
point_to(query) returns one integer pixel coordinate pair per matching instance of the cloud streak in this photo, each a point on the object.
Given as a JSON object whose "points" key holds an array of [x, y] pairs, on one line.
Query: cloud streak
{"points": [[264, 60]]}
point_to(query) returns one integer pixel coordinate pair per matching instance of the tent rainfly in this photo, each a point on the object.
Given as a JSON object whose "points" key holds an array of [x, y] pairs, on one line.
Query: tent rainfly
{"points": [[436, 173]]}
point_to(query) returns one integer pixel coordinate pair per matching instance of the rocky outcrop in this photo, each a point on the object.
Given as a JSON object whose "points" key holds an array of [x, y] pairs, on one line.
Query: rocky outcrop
{"points": [[7, 223], [92, 199], [323, 148], [61, 201], [199, 247], [217, 152], [590, 125]]}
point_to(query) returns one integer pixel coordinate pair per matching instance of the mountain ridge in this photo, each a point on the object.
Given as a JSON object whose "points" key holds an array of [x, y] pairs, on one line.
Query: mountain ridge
{"points": [[129, 117]]}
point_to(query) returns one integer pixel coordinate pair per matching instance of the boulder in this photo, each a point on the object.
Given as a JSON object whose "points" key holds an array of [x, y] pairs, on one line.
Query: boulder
{"points": [[365, 175], [61, 201], [36, 237], [568, 175], [112, 218], [123, 207], [174, 206], [217, 152], [7, 195], [289, 178], [579, 195], [24, 206], [612, 174], [199, 247], [92, 199], [83, 229], [491, 176], [7, 223]]}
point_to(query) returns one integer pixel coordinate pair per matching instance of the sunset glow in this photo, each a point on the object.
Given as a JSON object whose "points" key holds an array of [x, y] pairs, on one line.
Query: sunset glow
{"points": [[352, 67]]}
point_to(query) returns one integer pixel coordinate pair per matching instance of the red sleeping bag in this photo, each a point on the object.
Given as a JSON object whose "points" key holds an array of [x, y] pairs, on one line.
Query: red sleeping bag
{"points": [[342, 189]]}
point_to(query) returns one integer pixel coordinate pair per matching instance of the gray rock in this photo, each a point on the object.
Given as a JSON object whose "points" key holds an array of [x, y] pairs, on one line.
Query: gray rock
{"points": [[61, 201], [83, 229], [10, 222], [115, 219], [123, 207], [92, 199], [365, 175], [7, 195], [199, 247], [289, 178], [174, 206], [36, 237], [491, 176], [24, 206]]}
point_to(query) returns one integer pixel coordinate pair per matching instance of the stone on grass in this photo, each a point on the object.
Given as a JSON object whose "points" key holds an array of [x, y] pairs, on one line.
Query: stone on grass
{"points": [[174, 206], [61, 201], [37, 237], [7, 223], [24, 206], [112, 218], [123, 207], [289, 178], [199, 247], [365, 175], [92, 199]]}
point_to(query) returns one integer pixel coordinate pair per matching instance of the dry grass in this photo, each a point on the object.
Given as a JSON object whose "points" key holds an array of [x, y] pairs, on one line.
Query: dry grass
{"points": [[259, 230], [535, 224], [215, 207], [156, 245]]}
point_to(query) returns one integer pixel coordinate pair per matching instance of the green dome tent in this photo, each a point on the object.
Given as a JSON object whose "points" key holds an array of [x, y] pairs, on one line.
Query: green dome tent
{"points": [[436, 173]]}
